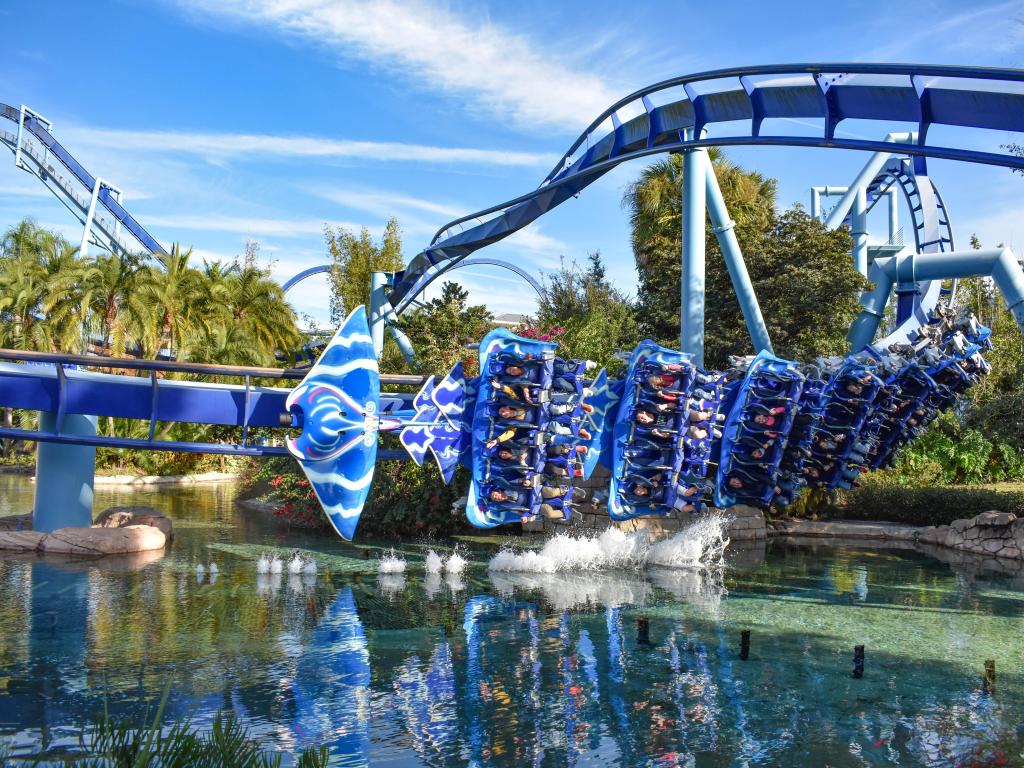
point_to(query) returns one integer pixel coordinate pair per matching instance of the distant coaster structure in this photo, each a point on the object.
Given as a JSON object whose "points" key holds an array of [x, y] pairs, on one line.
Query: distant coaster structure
{"points": [[675, 436]]}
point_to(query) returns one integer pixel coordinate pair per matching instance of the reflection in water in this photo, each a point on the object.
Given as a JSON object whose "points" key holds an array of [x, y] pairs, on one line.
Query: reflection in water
{"points": [[331, 685], [568, 591], [620, 668]]}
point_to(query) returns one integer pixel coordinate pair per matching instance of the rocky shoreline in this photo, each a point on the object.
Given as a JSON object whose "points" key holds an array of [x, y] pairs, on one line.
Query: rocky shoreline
{"points": [[117, 531]]}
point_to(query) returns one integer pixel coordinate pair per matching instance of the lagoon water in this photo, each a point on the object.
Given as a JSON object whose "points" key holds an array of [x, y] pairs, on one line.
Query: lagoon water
{"points": [[607, 667]]}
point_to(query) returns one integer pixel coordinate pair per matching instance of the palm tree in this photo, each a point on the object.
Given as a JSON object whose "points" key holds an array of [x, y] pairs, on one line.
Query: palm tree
{"points": [[115, 303], [256, 303], [169, 290]]}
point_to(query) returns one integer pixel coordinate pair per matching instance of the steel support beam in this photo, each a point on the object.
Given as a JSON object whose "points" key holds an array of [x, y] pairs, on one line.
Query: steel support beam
{"points": [[1000, 264], [383, 315], [725, 230], [864, 178], [694, 214], [83, 249], [859, 230]]}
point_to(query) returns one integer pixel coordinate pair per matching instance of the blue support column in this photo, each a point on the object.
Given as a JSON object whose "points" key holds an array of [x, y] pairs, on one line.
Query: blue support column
{"points": [[998, 263], [725, 230], [859, 231], [64, 475], [691, 310], [378, 298]]}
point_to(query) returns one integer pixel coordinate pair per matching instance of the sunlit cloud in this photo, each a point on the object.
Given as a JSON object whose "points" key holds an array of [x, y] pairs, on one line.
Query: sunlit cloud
{"points": [[491, 68], [252, 146]]}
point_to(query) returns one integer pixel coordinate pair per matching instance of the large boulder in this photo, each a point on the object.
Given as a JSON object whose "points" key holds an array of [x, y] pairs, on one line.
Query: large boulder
{"points": [[16, 522], [103, 541], [120, 517], [20, 541]]}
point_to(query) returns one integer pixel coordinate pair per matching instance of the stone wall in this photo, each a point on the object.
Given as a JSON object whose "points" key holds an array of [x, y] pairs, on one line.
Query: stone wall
{"points": [[996, 534], [747, 523]]}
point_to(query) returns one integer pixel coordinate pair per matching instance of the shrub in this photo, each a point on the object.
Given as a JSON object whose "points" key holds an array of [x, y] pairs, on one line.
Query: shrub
{"points": [[406, 501], [926, 506]]}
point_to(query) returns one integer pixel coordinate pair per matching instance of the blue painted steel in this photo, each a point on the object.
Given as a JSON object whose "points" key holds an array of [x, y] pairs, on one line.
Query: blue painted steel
{"points": [[337, 406], [679, 461], [1001, 264], [740, 426], [694, 215], [604, 402], [41, 133], [925, 95], [291, 282], [64, 475], [480, 261], [434, 433], [725, 230], [480, 511]]}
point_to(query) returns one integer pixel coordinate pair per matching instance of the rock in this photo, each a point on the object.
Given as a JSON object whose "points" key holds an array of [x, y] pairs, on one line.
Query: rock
{"points": [[16, 522], [119, 517], [20, 541], [993, 518], [992, 546], [104, 541], [961, 525]]}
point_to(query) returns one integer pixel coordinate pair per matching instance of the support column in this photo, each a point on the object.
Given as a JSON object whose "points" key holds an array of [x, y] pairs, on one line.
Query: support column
{"points": [[725, 230], [64, 475], [859, 230], [694, 213], [378, 297]]}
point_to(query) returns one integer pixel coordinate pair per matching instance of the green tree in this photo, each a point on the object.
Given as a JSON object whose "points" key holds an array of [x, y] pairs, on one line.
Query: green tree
{"points": [[169, 291], [441, 329], [354, 258], [801, 272], [595, 318]]}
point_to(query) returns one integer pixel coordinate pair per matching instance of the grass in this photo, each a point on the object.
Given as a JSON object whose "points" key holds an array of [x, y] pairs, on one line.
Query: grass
{"points": [[123, 744]]}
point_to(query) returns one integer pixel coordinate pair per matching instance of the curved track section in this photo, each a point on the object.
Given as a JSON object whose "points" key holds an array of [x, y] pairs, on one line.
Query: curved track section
{"points": [[427, 279], [751, 106], [933, 233], [44, 157]]}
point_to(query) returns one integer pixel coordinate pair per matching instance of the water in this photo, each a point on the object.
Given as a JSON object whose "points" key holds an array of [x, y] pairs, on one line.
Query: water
{"points": [[509, 668]]}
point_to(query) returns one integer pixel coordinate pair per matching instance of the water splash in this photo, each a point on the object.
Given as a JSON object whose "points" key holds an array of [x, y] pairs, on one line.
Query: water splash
{"points": [[433, 563], [391, 562], [571, 591], [700, 545], [455, 564]]}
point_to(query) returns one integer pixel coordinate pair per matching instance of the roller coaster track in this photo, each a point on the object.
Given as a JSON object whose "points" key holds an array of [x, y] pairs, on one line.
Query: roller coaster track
{"points": [[673, 115], [45, 158]]}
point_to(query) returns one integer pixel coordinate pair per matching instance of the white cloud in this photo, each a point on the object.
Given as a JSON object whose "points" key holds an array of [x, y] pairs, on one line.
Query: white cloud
{"points": [[991, 28], [383, 203], [221, 146], [244, 225], [491, 67]]}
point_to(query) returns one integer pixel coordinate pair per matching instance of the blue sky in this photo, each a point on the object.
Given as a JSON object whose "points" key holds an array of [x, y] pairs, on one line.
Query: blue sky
{"points": [[264, 119]]}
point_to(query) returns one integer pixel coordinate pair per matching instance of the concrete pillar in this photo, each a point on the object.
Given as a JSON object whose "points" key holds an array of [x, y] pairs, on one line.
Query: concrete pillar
{"points": [[64, 475]]}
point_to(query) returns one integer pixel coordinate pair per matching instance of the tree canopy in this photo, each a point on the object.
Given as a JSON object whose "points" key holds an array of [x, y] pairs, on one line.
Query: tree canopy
{"points": [[801, 272]]}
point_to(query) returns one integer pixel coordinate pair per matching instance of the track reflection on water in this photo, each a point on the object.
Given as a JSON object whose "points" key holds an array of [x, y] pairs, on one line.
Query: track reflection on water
{"points": [[623, 667]]}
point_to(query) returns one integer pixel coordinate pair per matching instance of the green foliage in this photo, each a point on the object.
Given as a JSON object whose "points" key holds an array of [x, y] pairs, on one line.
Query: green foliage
{"points": [[413, 502], [927, 506], [406, 501], [51, 299], [593, 319], [228, 744], [801, 272], [353, 259], [441, 329], [950, 453]]}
